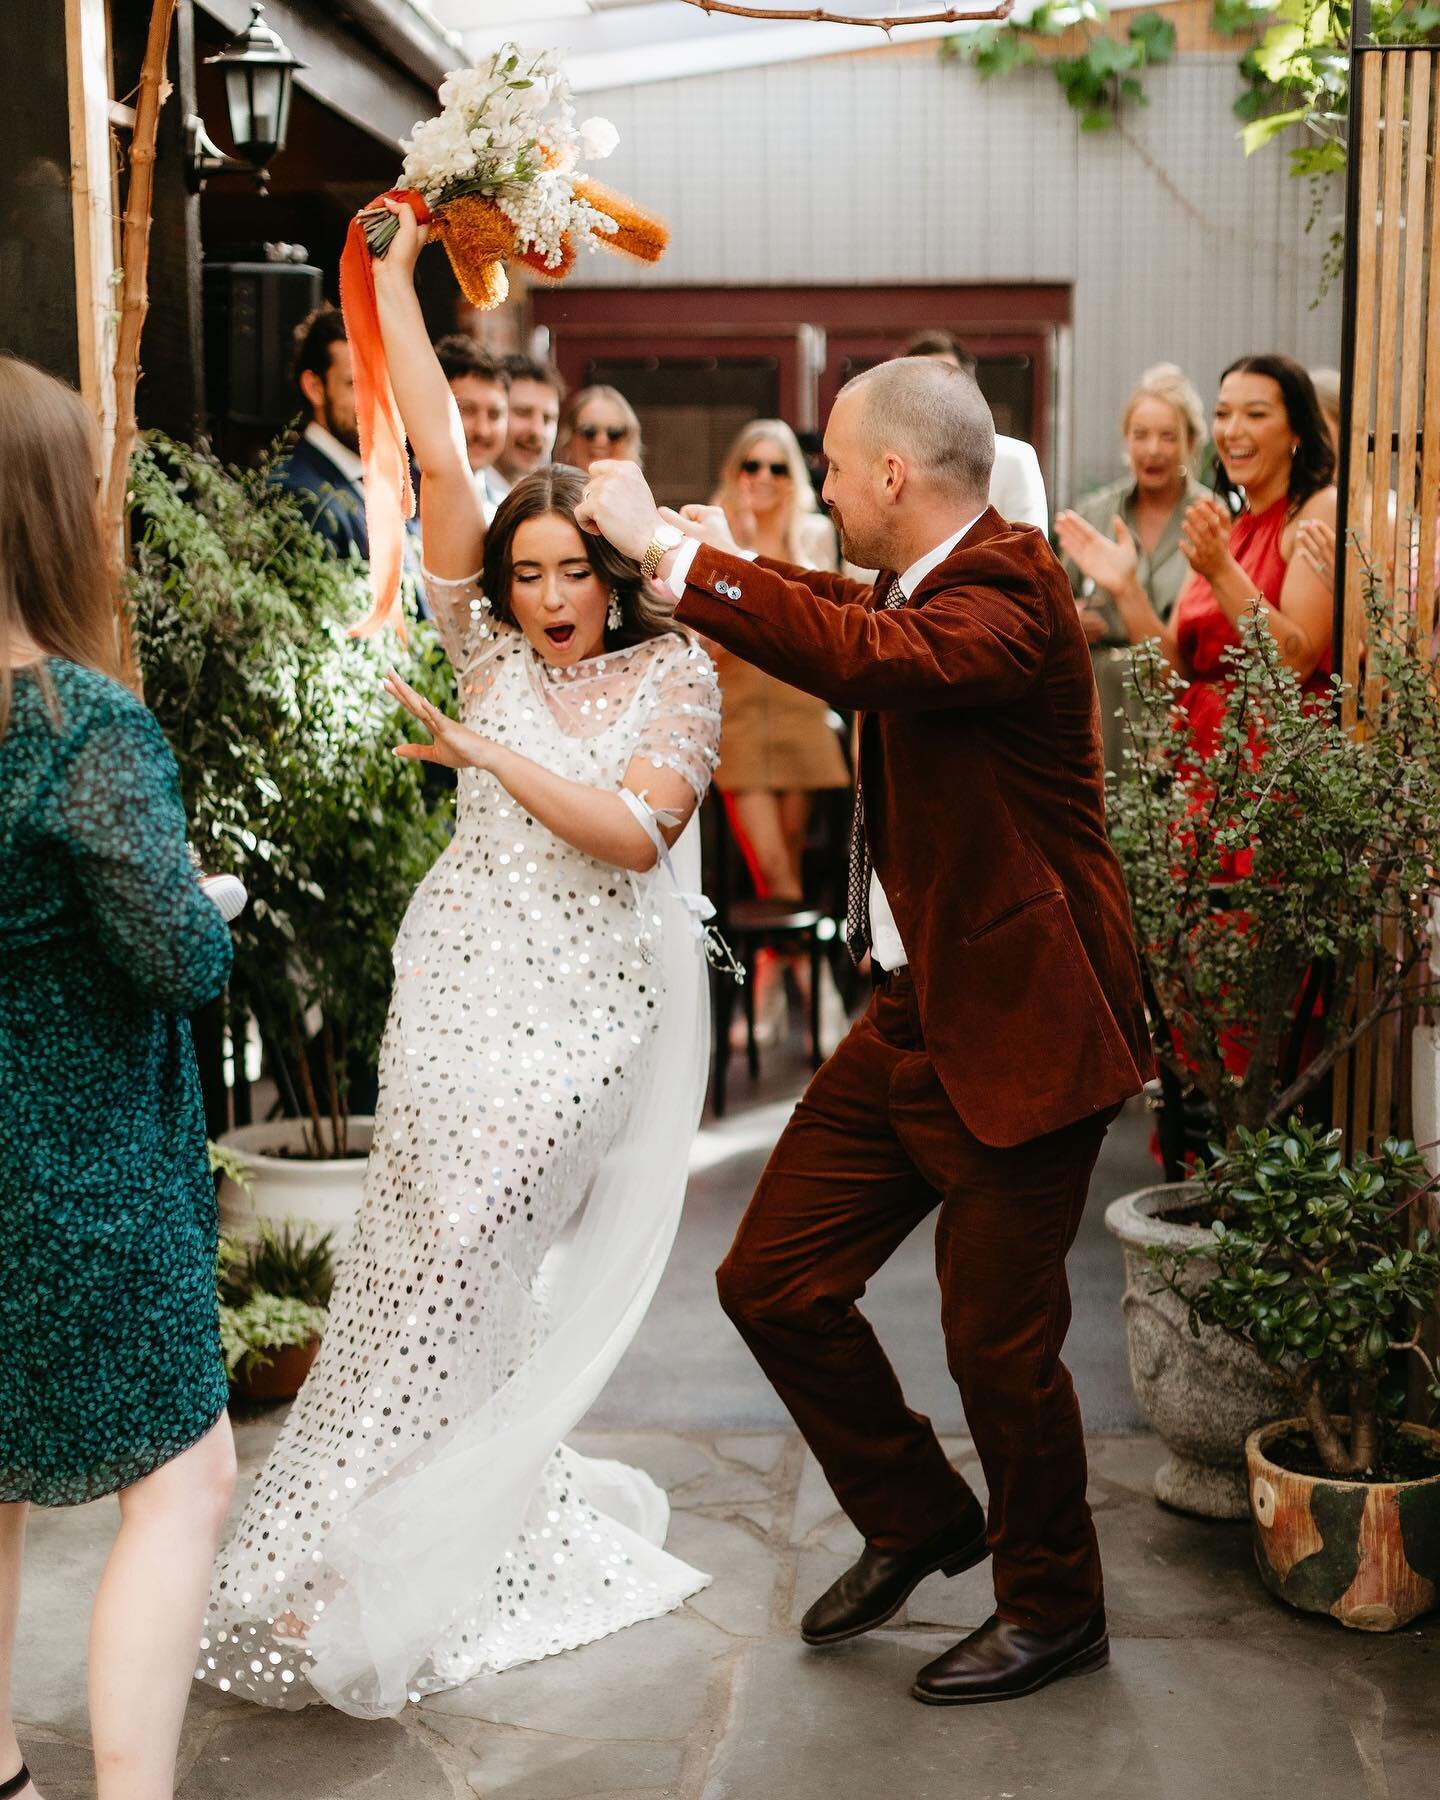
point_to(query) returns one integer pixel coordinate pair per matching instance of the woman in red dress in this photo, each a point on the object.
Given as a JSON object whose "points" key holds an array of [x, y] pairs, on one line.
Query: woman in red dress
{"points": [[1276, 458]]}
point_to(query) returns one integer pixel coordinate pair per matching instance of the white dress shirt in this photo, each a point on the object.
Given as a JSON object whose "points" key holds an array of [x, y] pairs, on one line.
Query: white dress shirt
{"points": [[886, 947]]}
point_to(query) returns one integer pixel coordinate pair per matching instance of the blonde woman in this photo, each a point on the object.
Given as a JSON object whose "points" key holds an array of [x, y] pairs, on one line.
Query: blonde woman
{"points": [[778, 746], [1162, 428], [598, 422]]}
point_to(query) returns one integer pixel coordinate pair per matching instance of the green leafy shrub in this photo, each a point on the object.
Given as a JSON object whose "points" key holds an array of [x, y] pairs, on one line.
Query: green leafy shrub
{"points": [[251, 1334], [1317, 1274], [1297, 842], [273, 1294], [285, 743]]}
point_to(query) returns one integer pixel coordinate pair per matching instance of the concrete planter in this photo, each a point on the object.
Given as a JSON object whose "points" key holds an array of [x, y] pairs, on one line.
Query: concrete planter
{"points": [[323, 1194], [1365, 1552], [1203, 1396]]}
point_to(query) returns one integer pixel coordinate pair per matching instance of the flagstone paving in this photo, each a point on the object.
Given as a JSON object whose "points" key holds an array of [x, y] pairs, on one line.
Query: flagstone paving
{"points": [[1213, 1690]]}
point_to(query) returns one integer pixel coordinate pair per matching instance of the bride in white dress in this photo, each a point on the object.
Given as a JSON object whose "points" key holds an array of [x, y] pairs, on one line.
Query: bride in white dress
{"points": [[419, 1520]]}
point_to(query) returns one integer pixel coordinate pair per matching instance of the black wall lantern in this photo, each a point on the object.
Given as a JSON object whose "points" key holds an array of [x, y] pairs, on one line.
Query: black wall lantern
{"points": [[259, 74]]}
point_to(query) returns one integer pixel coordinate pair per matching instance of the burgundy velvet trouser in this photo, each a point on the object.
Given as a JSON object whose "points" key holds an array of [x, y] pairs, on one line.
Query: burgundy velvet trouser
{"points": [[874, 1146]]}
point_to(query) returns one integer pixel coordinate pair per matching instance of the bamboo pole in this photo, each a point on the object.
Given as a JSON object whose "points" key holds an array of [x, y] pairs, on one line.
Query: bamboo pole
{"points": [[134, 303]]}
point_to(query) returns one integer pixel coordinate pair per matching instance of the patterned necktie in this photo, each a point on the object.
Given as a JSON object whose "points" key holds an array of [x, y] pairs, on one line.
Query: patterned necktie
{"points": [[857, 882]]}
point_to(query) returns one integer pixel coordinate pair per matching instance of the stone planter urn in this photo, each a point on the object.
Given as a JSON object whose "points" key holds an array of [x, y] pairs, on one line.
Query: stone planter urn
{"points": [[1365, 1552], [1202, 1396], [287, 1184]]}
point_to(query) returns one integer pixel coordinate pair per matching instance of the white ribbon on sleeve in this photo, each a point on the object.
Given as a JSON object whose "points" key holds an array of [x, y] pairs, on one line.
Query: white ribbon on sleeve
{"points": [[700, 907]]}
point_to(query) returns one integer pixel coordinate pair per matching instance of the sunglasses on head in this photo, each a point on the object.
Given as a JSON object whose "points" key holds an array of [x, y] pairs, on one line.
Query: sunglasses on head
{"points": [[752, 465], [611, 433]]}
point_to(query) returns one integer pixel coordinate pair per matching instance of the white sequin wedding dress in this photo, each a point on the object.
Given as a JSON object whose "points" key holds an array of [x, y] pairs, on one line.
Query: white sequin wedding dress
{"points": [[419, 1520]]}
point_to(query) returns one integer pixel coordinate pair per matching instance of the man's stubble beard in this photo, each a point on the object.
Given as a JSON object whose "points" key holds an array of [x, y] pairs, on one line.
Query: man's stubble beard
{"points": [[345, 433]]}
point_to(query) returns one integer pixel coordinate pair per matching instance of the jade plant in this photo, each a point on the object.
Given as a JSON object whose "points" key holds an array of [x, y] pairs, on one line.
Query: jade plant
{"points": [[1281, 887], [1321, 1273]]}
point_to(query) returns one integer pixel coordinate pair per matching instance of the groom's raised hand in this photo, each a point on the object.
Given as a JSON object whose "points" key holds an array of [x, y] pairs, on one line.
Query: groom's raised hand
{"points": [[617, 504]]}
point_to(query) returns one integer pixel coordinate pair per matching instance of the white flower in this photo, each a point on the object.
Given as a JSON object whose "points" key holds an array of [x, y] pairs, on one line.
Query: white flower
{"points": [[598, 137]]}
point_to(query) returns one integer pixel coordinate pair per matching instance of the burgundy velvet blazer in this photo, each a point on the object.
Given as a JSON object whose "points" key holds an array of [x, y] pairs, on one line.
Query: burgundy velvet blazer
{"points": [[984, 802]]}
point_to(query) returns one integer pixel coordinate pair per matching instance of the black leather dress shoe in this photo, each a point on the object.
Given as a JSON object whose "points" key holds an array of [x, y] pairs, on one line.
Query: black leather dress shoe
{"points": [[875, 1588], [1001, 1661]]}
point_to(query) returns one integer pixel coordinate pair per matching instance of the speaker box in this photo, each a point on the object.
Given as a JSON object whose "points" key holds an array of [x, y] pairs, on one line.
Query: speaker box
{"points": [[251, 311]]}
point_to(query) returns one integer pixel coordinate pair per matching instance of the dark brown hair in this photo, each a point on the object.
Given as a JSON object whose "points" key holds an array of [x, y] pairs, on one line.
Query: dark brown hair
{"points": [[531, 368], [1313, 465], [460, 354], [54, 584], [940, 343], [557, 489], [315, 336]]}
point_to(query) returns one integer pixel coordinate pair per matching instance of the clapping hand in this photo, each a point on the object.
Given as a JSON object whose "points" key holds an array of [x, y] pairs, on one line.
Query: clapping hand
{"points": [[454, 745], [1109, 562], [1205, 537], [1315, 541]]}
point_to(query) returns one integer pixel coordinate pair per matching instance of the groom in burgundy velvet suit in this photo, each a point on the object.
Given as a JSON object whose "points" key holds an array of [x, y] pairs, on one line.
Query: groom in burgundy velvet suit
{"points": [[1005, 1030]]}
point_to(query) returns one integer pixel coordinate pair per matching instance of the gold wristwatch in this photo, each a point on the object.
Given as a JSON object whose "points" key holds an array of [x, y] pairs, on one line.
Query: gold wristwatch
{"points": [[666, 538]]}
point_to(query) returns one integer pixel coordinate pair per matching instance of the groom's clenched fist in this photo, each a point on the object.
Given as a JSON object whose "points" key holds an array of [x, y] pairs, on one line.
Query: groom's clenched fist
{"points": [[617, 504]]}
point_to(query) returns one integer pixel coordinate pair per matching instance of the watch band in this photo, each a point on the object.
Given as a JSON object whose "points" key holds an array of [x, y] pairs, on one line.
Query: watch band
{"points": [[655, 553]]}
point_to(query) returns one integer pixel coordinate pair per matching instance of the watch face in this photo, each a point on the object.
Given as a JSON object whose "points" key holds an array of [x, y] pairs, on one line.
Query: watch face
{"points": [[668, 535]]}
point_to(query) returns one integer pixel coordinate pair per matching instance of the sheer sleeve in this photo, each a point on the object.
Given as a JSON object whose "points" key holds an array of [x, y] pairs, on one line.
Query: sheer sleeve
{"points": [[462, 615], [118, 816], [681, 729]]}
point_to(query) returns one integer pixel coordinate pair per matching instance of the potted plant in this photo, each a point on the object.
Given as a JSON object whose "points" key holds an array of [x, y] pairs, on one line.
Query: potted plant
{"points": [[274, 1293], [1263, 878], [285, 744], [1316, 1271]]}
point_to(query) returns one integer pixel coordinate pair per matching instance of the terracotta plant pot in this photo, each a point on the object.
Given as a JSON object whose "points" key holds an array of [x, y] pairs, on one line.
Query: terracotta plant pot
{"points": [[1202, 1395], [1365, 1552], [282, 1377]]}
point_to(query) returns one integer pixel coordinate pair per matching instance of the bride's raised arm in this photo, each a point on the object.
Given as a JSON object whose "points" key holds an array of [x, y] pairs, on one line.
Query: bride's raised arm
{"points": [[452, 522]]}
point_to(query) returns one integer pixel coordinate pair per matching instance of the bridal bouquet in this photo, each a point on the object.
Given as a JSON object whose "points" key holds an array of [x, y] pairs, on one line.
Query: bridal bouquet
{"points": [[497, 172], [495, 176]]}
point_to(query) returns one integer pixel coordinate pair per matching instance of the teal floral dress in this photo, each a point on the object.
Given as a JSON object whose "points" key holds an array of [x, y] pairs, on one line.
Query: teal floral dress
{"points": [[109, 1333]]}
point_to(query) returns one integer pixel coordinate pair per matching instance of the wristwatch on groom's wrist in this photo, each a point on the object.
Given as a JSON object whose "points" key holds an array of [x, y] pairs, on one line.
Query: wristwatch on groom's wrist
{"points": [[665, 539]]}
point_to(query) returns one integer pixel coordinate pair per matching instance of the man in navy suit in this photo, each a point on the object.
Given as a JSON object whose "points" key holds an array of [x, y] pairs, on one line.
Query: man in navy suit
{"points": [[324, 466]]}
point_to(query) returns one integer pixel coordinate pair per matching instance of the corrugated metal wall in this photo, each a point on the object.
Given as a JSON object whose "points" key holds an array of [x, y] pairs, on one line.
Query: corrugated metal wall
{"points": [[888, 168]]}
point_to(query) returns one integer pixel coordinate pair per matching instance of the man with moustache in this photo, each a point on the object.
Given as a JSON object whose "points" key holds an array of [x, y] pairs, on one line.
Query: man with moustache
{"points": [[1005, 1030], [536, 392]]}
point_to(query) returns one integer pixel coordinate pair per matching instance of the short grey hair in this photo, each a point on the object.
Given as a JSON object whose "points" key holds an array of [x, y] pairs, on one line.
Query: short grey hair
{"points": [[933, 415]]}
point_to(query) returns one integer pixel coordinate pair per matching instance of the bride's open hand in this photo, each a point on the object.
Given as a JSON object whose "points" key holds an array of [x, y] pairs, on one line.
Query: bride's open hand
{"points": [[454, 745]]}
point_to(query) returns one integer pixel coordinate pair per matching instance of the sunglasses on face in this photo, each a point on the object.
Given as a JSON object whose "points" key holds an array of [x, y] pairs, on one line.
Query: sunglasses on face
{"points": [[753, 466], [612, 434]]}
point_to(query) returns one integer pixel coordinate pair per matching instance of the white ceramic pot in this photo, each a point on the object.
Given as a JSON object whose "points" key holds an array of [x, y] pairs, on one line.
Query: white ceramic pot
{"points": [[323, 1194], [1202, 1395]]}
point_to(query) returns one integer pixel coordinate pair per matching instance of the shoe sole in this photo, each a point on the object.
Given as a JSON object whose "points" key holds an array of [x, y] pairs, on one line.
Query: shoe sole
{"points": [[949, 1565], [1082, 1663]]}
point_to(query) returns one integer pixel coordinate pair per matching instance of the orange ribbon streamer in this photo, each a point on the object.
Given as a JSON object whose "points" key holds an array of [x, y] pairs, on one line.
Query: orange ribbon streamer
{"points": [[389, 494]]}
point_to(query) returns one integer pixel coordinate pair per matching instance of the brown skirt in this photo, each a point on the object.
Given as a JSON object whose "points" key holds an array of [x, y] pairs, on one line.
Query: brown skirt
{"points": [[774, 738]]}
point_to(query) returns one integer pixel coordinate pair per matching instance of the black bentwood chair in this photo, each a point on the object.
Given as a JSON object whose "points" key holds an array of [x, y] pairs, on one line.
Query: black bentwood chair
{"points": [[750, 925]]}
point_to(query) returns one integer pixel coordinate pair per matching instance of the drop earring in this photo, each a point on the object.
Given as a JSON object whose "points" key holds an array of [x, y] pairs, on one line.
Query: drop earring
{"points": [[614, 619]]}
